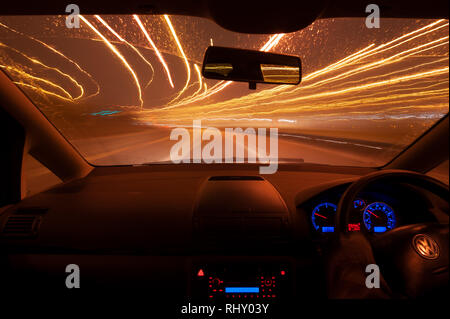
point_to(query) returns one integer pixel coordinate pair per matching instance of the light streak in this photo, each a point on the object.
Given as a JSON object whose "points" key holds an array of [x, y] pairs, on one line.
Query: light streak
{"points": [[264, 95], [129, 45], [119, 55], [352, 89], [398, 77], [379, 63], [36, 61], [271, 39], [411, 86], [200, 82], [38, 79], [274, 42], [158, 54], [63, 56], [364, 53], [188, 68], [41, 90]]}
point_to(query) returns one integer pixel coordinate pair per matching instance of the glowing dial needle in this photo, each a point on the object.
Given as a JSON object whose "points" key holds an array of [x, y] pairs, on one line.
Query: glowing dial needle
{"points": [[373, 214], [320, 215]]}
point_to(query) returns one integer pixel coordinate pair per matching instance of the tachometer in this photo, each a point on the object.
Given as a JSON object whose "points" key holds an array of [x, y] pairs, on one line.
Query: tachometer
{"points": [[379, 217], [359, 204], [323, 217]]}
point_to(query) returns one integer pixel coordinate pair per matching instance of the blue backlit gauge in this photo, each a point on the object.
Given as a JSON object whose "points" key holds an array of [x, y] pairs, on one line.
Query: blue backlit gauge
{"points": [[359, 204], [323, 217], [379, 217]]}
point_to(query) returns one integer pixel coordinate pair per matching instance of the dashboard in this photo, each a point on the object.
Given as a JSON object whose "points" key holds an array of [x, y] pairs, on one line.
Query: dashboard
{"points": [[217, 238], [376, 210]]}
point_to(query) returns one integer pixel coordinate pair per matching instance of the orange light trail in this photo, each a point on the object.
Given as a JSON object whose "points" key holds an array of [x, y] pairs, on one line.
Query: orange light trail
{"points": [[347, 91], [39, 79], [383, 62], [274, 42], [63, 56], [160, 57], [41, 90], [402, 74], [129, 45], [188, 68], [364, 53], [119, 55], [202, 85], [36, 61]]}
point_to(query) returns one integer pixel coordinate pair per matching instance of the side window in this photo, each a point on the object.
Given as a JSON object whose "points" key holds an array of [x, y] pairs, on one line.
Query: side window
{"points": [[36, 177], [440, 172]]}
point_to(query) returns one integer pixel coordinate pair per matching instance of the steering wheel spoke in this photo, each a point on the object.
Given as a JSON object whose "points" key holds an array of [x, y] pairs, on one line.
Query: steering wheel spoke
{"points": [[414, 258]]}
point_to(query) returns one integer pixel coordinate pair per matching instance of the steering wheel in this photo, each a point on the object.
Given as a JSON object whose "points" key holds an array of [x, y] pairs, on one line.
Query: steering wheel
{"points": [[413, 259]]}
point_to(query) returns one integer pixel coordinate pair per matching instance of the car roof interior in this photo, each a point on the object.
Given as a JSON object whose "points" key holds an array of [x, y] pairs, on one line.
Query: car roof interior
{"points": [[287, 16]]}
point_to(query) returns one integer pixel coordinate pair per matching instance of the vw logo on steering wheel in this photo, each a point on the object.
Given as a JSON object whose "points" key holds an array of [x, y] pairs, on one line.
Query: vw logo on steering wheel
{"points": [[426, 246]]}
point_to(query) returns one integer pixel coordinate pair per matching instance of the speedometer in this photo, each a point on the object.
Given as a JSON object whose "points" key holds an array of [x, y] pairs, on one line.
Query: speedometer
{"points": [[379, 217], [323, 217]]}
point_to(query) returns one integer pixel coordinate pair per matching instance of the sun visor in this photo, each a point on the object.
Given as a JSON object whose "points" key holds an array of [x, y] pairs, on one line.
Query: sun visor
{"points": [[265, 17]]}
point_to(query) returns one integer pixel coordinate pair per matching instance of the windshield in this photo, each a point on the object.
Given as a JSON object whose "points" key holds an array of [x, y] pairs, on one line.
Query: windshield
{"points": [[118, 86]]}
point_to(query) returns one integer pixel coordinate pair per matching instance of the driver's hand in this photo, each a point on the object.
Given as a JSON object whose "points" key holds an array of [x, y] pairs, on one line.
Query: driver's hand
{"points": [[346, 270]]}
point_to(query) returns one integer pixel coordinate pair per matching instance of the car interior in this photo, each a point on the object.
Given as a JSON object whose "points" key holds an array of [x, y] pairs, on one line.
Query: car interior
{"points": [[361, 175]]}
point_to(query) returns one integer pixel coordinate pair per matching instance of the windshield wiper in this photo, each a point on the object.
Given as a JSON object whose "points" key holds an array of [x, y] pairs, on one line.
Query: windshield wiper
{"points": [[244, 161]]}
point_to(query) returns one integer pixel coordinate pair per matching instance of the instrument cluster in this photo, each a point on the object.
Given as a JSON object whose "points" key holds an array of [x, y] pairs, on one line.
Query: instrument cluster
{"points": [[376, 210], [376, 216]]}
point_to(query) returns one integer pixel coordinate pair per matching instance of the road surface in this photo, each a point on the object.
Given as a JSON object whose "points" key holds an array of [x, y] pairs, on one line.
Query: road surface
{"points": [[154, 145]]}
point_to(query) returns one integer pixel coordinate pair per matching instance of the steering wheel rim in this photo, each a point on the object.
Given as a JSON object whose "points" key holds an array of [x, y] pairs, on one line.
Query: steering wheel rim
{"points": [[412, 274], [399, 176]]}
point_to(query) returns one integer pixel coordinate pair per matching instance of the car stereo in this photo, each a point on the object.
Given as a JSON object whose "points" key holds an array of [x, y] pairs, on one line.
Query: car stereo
{"points": [[238, 282]]}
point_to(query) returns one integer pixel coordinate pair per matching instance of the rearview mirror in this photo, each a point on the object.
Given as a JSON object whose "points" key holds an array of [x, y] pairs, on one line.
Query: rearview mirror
{"points": [[240, 65]]}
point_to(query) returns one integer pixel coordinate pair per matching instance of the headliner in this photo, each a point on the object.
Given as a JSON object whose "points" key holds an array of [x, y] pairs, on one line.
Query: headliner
{"points": [[251, 17]]}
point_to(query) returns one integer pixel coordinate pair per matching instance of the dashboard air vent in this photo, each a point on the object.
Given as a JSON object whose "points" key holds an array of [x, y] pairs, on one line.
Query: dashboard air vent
{"points": [[21, 226]]}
